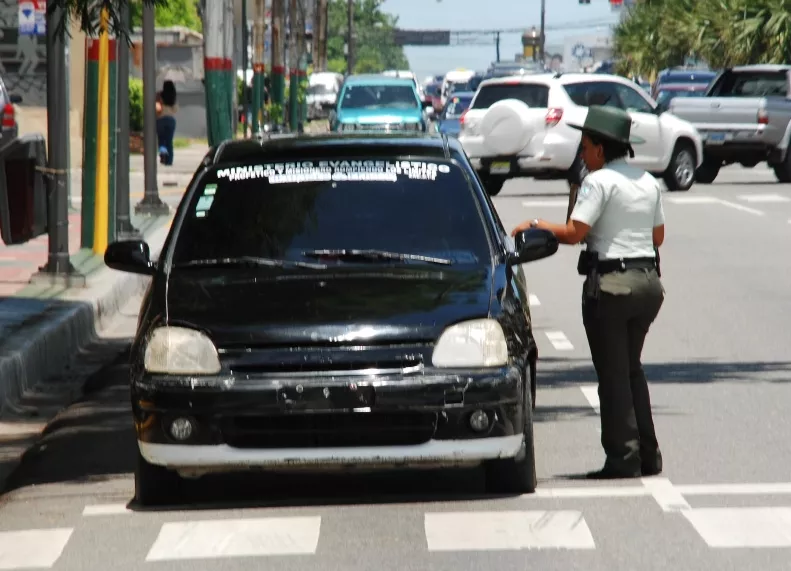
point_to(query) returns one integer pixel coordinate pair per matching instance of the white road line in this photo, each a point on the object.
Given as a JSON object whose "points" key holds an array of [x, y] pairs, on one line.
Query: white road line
{"points": [[534, 300], [32, 548], [559, 341], [106, 509], [236, 538], [549, 203], [591, 492], [501, 530], [591, 393], [691, 199], [758, 489], [666, 495], [765, 198], [741, 207], [742, 527]]}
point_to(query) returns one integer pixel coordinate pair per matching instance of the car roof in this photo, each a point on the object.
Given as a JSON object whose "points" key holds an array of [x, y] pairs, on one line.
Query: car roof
{"points": [[763, 67], [375, 79], [462, 94], [559, 78], [683, 87], [290, 147]]}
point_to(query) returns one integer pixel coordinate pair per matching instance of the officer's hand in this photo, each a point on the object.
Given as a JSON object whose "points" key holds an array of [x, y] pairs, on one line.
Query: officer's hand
{"points": [[521, 227]]}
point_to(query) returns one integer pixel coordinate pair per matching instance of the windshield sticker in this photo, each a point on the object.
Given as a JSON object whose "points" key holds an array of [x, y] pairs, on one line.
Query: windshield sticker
{"points": [[325, 171]]}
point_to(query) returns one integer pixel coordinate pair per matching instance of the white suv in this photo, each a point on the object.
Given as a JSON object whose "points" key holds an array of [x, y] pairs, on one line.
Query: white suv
{"points": [[517, 127]]}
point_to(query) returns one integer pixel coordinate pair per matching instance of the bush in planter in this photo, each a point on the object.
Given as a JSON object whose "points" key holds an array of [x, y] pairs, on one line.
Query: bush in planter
{"points": [[135, 105]]}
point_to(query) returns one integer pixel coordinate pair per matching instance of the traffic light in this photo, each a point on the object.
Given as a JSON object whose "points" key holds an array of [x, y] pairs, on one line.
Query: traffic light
{"points": [[23, 190]]}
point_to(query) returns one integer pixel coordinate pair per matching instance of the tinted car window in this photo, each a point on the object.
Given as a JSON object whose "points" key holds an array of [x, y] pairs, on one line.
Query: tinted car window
{"points": [[280, 210], [379, 96], [532, 94], [590, 93], [456, 106]]}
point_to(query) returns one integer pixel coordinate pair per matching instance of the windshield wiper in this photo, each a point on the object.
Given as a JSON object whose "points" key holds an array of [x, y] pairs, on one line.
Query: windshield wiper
{"points": [[249, 261], [374, 255]]}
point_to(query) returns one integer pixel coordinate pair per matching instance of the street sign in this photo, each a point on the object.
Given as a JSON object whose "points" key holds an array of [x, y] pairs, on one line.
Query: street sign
{"points": [[32, 17], [421, 37], [579, 51]]}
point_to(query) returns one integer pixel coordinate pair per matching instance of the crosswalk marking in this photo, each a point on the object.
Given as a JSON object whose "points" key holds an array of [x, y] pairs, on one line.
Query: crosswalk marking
{"points": [[32, 548], [742, 527], [559, 340], [236, 538], [764, 198], [545, 203], [534, 300], [106, 509], [591, 393], [691, 199], [741, 207], [507, 530], [667, 496]]}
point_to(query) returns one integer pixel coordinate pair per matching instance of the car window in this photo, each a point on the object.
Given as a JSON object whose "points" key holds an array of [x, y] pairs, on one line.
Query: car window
{"points": [[379, 97], [632, 100], [590, 93], [532, 94], [278, 210], [455, 107]]}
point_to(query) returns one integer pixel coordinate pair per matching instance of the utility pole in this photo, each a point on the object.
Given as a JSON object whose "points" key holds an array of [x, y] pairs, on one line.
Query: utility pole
{"points": [[293, 71], [541, 37], [278, 67], [58, 260], [151, 203], [123, 224], [259, 66], [320, 56], [245, 89], [350, 38]]}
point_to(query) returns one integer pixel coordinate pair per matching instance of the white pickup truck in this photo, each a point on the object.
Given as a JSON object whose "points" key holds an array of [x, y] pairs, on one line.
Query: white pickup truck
{"points": [[517, 127], [744, 118]]}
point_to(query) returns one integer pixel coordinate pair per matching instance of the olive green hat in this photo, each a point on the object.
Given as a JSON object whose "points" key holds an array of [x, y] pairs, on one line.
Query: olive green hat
{"points": [[609, 123]]}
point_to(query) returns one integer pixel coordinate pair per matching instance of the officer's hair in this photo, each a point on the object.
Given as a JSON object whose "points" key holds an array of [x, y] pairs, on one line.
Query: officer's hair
{"points": [[612, 150]]}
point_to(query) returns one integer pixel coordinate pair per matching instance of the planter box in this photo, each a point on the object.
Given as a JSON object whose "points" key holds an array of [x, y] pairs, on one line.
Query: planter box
{"points": [[136, 143]]}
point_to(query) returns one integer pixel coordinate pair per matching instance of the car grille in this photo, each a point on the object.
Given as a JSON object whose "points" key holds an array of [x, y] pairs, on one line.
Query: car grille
{"points": [[325, 430]]}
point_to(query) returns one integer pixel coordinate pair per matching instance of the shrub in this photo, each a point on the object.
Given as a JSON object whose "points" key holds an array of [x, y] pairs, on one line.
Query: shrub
{"points": [[135, 105]]}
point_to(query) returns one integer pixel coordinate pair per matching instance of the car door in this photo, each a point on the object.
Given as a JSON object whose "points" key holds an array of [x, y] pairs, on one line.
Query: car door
{"points": [[646, 132]]}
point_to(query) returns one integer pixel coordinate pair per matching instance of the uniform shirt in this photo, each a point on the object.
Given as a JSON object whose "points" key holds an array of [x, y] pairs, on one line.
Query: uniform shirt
{"points": [[622, 204]]}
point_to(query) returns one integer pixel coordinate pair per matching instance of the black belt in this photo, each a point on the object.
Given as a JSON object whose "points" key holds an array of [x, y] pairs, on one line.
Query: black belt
{"points": [[623, 264]]}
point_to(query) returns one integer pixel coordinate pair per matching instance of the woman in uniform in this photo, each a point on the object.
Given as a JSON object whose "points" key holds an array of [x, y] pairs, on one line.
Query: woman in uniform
{"points": [[618, 214]]}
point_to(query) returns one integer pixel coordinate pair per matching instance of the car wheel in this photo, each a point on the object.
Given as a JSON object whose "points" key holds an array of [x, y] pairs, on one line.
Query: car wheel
{"points": [[680, 173], [493, 184], [155, 485], [516, 475], [708, 171], [783, 170]]}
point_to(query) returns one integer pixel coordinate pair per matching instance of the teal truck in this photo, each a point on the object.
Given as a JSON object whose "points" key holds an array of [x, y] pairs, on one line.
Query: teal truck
{"points": [[379, 103]]}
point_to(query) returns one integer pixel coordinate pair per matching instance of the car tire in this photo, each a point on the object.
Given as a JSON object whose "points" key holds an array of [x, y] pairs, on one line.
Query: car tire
{"points": [[680, 173], [493, 184], [516, 475], [708, 171], [155, 485], [783, 169]]}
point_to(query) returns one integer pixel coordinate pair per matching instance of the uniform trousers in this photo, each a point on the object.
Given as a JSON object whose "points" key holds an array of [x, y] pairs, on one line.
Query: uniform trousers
{"points": [[616, 325]]}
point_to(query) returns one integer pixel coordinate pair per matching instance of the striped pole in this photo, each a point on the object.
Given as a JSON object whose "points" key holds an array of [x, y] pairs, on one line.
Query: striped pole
{"points": [[213, 69], [102, 143], [259, 65], [293, 72], [112, 66], [278, 67], [231, 98], [90, 118]]}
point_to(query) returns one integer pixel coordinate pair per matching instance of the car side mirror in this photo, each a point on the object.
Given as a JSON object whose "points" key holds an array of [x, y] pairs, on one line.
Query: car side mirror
{"points": [[131, 256], [533, 244]]}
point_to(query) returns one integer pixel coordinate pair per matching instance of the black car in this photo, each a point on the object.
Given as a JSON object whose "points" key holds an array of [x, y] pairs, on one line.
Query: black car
{"points": [[334, 300]]}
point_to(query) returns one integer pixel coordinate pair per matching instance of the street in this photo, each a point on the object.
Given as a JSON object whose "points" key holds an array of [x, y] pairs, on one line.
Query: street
{"points": [[718, 362]]}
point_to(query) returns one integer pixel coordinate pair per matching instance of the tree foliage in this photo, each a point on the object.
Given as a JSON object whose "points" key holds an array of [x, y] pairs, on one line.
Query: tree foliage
{"points": [[375, 50], [174, 13], [657, 34], [87, 13]]}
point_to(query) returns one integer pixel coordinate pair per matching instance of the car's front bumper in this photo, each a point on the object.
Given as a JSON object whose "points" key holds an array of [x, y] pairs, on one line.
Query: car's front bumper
{"points": [[385, 420]]}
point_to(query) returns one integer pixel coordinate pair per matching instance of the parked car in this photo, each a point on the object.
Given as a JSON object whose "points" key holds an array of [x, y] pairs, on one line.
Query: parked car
{"points": [[335, 300], [9, 130], [518, 127]]}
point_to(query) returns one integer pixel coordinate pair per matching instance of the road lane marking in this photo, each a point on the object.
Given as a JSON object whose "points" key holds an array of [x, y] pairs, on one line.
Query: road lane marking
{"points": [[666, 495], [741, 207], [591, 393], [547, 203], [534, 300], [591, 492], [32, 548], [559, 341], [106, 509], [236, 538], [764, 198], [757, 489], [742, 527], [691, 200], [507, 530]]}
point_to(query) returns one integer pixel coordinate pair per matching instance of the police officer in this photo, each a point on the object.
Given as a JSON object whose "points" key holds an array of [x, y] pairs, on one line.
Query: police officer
{"points": [[618, 214]]}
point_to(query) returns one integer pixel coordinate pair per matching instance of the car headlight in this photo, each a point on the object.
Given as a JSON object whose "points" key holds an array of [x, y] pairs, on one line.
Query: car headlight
{"points": [[476, 343], [181, 351]]}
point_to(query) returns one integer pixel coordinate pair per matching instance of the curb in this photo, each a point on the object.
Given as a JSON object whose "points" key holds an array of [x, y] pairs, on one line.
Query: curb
{"points": [[49, 344]]}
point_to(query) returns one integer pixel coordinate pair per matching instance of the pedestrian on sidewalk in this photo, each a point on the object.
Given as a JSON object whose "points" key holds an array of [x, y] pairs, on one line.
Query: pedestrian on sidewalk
{"points": [[166, 121], [618, 213]]}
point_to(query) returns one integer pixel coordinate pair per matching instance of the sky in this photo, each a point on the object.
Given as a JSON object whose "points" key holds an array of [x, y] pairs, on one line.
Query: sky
{"points": [[490, 15]]}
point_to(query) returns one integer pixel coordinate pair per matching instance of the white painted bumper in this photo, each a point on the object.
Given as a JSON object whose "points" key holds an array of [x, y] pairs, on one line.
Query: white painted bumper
{"points": [[201, 457]]}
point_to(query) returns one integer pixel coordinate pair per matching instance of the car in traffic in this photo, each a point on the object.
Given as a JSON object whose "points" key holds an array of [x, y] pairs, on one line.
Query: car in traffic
{"points": [[448, 120], [519, 127], [9, 131], [380, 103], [669, 91], [334, 301]]}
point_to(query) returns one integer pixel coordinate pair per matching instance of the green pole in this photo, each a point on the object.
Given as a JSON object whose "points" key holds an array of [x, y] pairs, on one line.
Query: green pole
{"points": [[278, 85], [113, 140], [90, 128], [258, 95]]}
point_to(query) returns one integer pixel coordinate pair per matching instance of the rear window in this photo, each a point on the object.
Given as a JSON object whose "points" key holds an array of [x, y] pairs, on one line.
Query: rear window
{"points": [[279, 210], [532, 94], [379, 97], [751, 84]]}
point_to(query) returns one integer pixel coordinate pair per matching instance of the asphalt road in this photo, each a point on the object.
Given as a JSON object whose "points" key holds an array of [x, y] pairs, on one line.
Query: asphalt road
{"points": [[719, 363]]}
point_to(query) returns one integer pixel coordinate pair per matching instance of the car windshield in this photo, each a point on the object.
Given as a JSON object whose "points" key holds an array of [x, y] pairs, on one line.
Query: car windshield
{"points": [[395, 210], [319, 89], [456, 106], [664, 97], [379, 97]]}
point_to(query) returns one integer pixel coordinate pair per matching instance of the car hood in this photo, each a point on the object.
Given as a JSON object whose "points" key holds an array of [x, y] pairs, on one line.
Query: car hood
{"points": [[379, 115], [247, 308]]}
